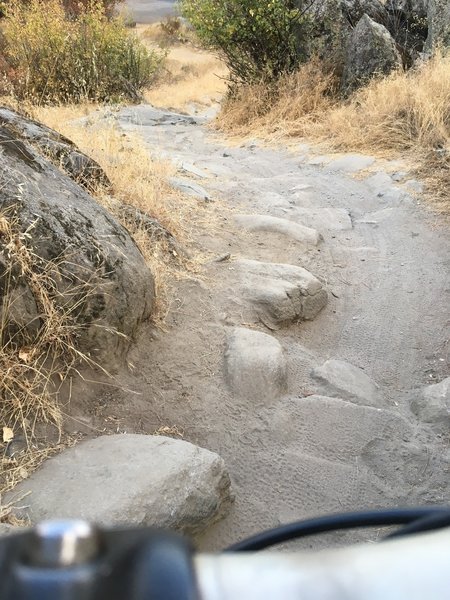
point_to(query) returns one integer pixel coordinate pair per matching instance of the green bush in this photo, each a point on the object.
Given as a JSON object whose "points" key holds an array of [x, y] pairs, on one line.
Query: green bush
{"points": [[259, 39], [56, 58]]}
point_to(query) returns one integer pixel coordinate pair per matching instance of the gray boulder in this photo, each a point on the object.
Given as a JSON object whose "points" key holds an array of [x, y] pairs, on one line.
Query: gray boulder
{"points": [[343, 380], [371, 51], [334, 21], [432, 404], [97, 271], [438, 24], [282, 293], [59, 149], [131, 479]]}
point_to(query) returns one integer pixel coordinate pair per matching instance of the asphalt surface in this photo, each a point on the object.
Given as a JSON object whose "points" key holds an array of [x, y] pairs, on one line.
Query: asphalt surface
{"points": [[151, 11]]}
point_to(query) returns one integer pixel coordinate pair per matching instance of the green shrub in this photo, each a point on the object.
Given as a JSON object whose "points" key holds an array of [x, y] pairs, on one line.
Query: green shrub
{"points": [[56, 58], [259, 39]]}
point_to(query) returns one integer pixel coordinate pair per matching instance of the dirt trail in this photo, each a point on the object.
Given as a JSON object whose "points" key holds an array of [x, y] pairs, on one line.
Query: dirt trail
{"points": [[384, 261]]}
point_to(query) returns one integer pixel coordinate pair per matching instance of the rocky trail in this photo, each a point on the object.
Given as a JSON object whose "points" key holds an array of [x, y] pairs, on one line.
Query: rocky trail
{"points": [[312, 351], [301, 356]]}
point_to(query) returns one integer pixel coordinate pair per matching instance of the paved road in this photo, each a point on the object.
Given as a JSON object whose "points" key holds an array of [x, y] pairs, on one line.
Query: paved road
{"points": [[149, 11]]}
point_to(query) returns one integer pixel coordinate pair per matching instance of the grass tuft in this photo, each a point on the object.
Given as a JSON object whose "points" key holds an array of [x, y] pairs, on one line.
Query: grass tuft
{"points": [[37, 355]]}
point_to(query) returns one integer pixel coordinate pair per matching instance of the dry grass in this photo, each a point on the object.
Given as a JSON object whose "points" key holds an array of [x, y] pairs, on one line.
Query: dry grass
{"points": [[190, 75], [405, 115], [34, 360], [170, 431], [139, 181], [287, 108], [403, 112], [33, 370]]}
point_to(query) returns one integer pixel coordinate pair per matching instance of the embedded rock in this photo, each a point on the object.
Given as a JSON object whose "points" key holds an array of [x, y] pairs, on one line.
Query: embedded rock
{"points": [[255, 365], [343, 380], [432, 404], [282, 293], [296, 231]]}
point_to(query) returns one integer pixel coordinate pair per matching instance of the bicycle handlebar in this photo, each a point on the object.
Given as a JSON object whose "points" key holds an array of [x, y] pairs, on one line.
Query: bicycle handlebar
{"points": [[411, 568], [73, 560]]}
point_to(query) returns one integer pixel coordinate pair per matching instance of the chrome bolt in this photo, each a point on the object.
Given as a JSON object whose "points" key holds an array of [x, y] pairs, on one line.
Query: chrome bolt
{"points": [[64, 543]]}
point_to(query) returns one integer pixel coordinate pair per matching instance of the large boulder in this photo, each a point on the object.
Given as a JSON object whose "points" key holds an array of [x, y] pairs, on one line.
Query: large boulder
{"points": [[438, 24], [334, 21], [131, 480], [97, 273], [371, 51]]}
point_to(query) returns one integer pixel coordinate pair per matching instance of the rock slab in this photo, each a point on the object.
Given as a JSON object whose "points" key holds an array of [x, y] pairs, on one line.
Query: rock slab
{"points": [[255, 366], [189, 187], [134, 480], [343, 380], [6, 529]]}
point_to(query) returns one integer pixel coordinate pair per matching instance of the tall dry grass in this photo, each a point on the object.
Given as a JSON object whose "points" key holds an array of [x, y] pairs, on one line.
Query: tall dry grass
{"points": [[138, 180], [286, 108], [37, 354], [405, 111], [404, 115]]}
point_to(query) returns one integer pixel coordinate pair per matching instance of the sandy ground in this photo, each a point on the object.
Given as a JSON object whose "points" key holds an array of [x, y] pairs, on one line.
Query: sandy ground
{"points": [[386, 274]]}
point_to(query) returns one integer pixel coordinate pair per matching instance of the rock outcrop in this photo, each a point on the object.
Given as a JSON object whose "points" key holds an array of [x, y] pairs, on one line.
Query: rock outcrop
{"points": [[59, 149], [438, 24], [371, 51]]}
